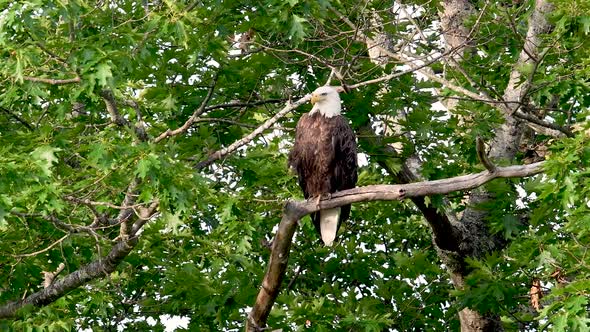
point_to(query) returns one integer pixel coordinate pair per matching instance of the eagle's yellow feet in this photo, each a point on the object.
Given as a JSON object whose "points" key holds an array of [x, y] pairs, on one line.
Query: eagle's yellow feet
{"points": [[323, 196]]}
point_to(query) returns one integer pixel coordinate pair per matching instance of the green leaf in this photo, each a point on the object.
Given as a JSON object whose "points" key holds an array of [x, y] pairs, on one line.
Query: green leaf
{"points": [[103, 74], [45, 157], [297, 31], [148, 165]]}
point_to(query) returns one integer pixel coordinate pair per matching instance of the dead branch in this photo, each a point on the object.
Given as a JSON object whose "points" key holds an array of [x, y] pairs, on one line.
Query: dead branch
{"points": [[295, 210], [49, 277]]}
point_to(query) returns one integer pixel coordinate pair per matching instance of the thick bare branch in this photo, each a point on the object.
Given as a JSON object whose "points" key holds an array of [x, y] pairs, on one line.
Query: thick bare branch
{"points": [[508, 135], [295, 210], [538, 24]]}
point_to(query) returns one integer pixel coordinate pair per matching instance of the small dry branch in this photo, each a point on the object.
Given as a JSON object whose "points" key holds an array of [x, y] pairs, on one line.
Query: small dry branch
{"points": [[51, 80], [482, 155]]}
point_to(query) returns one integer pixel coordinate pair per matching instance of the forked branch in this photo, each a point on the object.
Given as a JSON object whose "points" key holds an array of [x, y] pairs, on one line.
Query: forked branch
{"points": [[295, 210]]}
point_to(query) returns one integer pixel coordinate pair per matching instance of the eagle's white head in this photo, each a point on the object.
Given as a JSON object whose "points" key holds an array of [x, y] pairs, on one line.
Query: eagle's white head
{"points": [[326, 100]]}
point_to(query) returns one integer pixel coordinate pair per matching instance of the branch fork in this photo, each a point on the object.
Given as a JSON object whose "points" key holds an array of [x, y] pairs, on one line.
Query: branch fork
{"points": [[293, 211]]}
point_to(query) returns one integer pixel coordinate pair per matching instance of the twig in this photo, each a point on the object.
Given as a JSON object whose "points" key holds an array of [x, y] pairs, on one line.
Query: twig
{"points": [[193, 117], [44, 250], [255, 103], [246, 125], [107, 204], [246, 139], [52, 81], [17, 118], [483, 157]]}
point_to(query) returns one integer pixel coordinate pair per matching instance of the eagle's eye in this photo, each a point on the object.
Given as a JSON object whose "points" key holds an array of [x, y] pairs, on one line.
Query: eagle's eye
{"points": [[324, 94]]}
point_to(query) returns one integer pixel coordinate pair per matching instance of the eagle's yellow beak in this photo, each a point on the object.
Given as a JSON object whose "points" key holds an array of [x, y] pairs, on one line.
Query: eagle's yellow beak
{"points": [[314, 98]]}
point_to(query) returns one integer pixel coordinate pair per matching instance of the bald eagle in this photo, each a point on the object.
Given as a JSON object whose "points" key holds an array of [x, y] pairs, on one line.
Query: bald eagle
{"points": [[324, 157]]}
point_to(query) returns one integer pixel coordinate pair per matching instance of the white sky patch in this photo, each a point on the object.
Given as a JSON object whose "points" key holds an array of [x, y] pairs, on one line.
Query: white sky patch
{"points": [[174, 322], [193, 79], [296, 80], [212, 63], [151, 321], [379, 247], [438, 106], [362, 159]]}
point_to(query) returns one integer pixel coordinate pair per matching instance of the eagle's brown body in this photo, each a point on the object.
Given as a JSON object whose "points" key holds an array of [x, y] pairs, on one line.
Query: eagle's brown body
{"points": [[325, 158]]}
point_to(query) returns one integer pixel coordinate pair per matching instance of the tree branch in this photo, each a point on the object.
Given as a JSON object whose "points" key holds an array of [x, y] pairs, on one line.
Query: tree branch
{"points": [[529, 55], [96, 269], [533, 119], [17, 118], [193, 117], [102, 266], [250, 104], [52, 81], [44, 249], [295, 210], [288, 108], [116, 118], [248, 138]]}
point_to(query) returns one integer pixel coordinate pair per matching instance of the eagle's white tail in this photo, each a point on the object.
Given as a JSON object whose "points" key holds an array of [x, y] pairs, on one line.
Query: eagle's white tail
{"points": [[329, 225]]}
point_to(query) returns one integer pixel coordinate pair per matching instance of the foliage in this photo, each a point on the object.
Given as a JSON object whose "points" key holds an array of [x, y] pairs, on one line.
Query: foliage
{"points": [[204, 255]]}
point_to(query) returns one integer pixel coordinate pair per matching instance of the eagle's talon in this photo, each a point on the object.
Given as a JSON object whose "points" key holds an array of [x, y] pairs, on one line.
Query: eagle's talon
{"points": [[317, 201]]}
